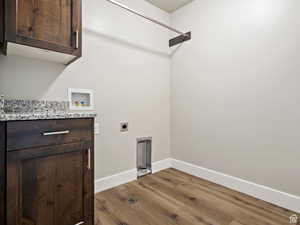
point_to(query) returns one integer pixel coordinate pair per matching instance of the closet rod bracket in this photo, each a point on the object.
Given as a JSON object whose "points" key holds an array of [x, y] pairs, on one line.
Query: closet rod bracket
{"points": [[180, 39]]}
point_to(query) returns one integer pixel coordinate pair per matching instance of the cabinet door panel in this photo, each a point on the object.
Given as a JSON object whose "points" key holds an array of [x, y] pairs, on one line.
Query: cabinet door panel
{"points": [[46, 20], [47, 190], [2, 171], [12, 205], [37, 191], [69, 190]]}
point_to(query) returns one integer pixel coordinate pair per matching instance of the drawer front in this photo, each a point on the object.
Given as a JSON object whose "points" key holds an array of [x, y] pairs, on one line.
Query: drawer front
{"points": [[29, 134]]}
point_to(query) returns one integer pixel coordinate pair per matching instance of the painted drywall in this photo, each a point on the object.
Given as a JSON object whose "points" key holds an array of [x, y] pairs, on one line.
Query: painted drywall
{"points": [[125, 60], [235, 90], [234, 86], [169, 5]]}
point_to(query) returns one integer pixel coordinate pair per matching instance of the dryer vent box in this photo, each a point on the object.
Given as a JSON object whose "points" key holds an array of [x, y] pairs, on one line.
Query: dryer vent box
{"points": [[144, 156]]}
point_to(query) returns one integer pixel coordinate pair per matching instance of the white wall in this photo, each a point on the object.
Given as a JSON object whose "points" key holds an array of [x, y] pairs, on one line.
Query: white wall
{"points": [[235, 86], [236, 90], [125, 60]]}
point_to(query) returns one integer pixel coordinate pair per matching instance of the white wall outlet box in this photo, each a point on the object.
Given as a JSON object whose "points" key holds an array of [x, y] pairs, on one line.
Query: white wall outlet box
{"points": [[97, 128], [81, 99]]}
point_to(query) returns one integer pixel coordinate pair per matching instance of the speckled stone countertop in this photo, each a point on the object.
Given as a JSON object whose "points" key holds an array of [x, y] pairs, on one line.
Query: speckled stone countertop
{"points": [[13, 110]]}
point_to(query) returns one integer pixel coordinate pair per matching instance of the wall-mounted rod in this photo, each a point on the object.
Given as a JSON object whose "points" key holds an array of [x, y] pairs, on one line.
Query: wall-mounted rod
{"points": [[147, 18]]}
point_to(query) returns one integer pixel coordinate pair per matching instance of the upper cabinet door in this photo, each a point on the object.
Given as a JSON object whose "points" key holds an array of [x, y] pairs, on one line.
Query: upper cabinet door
{"points": [[1, 22], [48, 24]]}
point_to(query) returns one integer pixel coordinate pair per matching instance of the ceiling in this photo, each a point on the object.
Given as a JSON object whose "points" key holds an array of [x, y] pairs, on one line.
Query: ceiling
{"points": [[169, 5]]}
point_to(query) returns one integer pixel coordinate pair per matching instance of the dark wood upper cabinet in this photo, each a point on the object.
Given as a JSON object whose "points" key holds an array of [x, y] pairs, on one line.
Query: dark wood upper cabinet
{"points": [[36, 25], [1, 23]]}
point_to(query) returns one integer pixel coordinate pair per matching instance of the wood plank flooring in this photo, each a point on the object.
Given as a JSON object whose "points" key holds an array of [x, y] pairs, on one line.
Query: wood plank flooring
{"points": [[171, 197]]}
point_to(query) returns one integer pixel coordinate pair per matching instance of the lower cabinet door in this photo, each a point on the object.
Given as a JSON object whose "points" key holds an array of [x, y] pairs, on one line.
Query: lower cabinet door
{"points": [[49, 186]]}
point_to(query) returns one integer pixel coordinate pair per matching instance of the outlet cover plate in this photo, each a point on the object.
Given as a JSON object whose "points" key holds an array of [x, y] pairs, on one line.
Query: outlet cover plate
{"points": [[124, 126]]}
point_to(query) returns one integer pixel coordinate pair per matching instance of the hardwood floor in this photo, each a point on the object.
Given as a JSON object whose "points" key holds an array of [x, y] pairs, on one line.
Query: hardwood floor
{"points": [[172, 197]]}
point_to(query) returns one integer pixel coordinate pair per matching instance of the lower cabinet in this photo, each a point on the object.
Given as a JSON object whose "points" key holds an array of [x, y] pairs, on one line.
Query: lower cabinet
{"points": [[50, 185]]}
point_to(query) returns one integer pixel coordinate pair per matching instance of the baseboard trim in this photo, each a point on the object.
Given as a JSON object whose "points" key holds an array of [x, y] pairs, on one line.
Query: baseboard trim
{"points": [[127, 176], [267, 194], [161, 165], [115, 180]]}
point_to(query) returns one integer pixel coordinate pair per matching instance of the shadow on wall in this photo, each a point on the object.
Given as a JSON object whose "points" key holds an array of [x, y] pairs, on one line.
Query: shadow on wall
{"points": [[27, 78], [175, 50], [121, 41]]}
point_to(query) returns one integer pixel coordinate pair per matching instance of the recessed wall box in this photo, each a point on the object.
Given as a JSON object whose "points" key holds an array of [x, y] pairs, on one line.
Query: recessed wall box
{"points": [[81, 99]]}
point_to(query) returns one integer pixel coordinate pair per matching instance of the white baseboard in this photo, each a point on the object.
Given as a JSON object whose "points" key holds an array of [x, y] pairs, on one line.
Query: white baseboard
{"points": [[127, 176], [267, 194], [161, 165], [115, 180]]}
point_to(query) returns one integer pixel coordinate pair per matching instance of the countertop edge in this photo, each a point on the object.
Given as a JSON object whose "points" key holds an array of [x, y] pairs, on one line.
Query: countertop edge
{"points": [[41, 116]]}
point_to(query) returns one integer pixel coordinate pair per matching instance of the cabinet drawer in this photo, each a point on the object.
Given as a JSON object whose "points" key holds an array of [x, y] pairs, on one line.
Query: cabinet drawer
{"points": [[28, 134]]}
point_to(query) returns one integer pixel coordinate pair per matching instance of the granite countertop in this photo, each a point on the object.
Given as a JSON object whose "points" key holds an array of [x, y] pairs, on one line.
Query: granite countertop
{"points": [[45, 116], [14, 110]]}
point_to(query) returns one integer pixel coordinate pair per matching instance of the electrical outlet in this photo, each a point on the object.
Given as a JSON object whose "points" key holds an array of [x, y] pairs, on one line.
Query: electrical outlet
{"points": [[124, 127], [97, 128]]}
